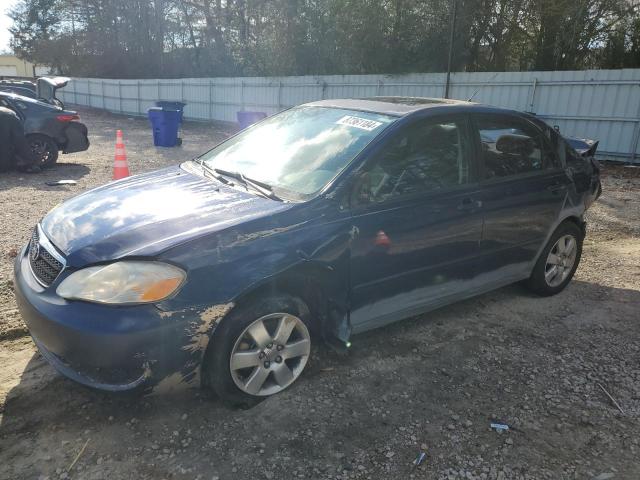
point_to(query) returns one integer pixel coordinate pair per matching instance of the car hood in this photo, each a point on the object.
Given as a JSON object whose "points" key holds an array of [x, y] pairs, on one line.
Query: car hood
{"points": [[146, 214]]}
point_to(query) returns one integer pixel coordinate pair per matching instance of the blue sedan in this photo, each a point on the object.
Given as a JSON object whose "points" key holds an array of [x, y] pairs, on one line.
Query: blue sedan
{"points": [[320, 222]]}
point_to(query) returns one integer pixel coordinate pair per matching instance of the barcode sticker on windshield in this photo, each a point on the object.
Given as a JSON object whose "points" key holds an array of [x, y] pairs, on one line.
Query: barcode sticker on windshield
{"points": [[358, 122]]}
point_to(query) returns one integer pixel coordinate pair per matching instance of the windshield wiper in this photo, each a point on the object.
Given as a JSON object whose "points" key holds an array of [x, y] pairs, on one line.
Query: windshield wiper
{"points": [[262, 188], [210, 171]]}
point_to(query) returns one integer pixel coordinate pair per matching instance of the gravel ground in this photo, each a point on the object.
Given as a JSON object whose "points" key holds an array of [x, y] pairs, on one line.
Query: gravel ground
{"points": [[430, 384]]}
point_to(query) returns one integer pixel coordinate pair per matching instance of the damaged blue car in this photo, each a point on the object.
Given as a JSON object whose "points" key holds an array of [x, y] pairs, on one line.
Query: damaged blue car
{"points": [[320, 222]]}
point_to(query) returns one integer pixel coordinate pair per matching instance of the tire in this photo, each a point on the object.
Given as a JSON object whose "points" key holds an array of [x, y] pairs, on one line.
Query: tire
{"points": [[44, 148], [266, 356], [546, 281]]}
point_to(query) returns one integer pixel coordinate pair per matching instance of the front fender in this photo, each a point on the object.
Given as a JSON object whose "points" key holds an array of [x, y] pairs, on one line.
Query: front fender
{"points": [[297, 248]]}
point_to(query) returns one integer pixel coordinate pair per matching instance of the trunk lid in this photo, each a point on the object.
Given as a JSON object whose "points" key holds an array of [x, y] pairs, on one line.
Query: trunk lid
{"points": [[46, 88]]}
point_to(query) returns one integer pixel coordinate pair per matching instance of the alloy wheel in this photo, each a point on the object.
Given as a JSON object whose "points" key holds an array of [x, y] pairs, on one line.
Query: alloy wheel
{"points": [[40, 149], [270, 354], [560, 260]]}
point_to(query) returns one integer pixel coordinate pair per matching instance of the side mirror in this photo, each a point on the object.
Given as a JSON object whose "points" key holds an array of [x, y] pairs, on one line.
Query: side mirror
{"points": [[515, 144], [360, 193], [340, 194], [591, 152]]}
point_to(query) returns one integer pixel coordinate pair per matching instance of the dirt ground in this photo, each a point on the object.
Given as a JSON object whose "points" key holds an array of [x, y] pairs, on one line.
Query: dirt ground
{"points": [[430, 384]]}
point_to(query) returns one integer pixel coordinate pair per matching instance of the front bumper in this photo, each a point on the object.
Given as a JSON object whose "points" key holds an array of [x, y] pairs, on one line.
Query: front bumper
{"points": [[104, 347], [88, 378]]}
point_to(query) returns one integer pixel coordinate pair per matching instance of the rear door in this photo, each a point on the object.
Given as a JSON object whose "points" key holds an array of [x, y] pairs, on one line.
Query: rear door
{"points": [[419, 222], [30, 114], [18, 107], [523, 190]]}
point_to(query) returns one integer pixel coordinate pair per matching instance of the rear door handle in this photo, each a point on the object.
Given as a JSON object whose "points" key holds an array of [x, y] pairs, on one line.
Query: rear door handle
{"points": [[468, 203], [556, 187]]}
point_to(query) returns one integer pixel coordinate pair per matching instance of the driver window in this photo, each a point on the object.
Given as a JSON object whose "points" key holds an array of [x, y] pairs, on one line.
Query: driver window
{"points": [[429, 155]]}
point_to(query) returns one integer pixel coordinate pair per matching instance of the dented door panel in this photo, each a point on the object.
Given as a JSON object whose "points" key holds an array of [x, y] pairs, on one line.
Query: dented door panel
{"points": [[518, 216], [409, 256]]}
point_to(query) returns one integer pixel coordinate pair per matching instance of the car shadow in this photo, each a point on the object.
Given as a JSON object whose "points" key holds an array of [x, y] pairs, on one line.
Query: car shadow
{"points": [[44, 412], [60, 171]]}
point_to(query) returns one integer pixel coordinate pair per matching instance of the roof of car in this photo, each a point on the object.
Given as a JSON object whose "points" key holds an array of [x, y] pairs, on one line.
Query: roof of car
{"points": [[397, 106], [18, 83], [22, 98], [16, 96]]}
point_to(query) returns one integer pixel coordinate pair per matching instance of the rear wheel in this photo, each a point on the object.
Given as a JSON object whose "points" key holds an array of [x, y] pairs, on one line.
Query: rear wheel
{"points": [[558, 261], [261, 349], [44, 149]]}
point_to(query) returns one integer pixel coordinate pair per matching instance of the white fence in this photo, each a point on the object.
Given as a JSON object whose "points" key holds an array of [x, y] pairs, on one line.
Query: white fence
{"points": [[599, 104]]}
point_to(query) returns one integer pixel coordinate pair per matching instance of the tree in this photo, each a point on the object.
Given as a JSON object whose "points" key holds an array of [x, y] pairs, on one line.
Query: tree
{"points": [[173, 38], [34, 26]]}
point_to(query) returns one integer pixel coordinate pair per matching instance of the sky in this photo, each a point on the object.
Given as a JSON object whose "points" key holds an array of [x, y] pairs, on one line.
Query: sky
{"points": [[5, 23]]}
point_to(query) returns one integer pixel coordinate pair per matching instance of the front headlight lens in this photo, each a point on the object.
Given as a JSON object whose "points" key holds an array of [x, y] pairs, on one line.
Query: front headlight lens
{"points": [[123, 283]]}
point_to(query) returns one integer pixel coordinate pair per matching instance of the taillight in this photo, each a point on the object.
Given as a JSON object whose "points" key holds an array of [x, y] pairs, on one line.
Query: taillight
{"points": [[68, 118]]}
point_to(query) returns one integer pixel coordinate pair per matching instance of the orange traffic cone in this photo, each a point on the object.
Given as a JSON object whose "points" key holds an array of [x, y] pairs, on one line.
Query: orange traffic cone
{"points": [[120, 166]]}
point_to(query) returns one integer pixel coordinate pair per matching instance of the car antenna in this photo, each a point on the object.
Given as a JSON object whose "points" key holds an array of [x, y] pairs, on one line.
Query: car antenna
{"points": [[478, 89]]}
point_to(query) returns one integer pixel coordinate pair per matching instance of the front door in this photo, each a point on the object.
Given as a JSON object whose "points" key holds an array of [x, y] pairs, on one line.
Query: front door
{"points": [[419, 222]]}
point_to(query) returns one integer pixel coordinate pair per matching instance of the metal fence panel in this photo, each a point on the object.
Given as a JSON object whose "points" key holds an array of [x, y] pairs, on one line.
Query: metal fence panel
{"points": [[599, 104]]}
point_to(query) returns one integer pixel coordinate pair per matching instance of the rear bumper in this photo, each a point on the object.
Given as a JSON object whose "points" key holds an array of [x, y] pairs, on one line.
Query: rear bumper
{"points": [[77, 138], [108, 348]]}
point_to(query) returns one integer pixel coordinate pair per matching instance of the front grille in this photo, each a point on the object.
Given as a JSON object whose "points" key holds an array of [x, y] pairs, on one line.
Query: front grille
{"points": [[44, 266]]}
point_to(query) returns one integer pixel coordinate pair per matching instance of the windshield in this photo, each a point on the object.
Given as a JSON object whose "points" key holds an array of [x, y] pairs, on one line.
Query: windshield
{"points": [[299, 151]]}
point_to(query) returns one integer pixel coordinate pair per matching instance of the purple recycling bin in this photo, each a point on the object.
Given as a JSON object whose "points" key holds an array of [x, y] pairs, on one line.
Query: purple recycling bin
{"points": [[249, 118]]}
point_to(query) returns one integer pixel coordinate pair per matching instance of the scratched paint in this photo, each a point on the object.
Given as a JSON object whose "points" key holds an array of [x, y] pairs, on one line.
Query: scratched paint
{"points": [[171, 383], [244, 238], [208, 320]]}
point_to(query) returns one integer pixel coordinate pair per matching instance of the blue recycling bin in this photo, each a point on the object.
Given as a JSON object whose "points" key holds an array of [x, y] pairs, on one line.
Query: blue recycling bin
{"points": [[172, 106], [164, 124]]}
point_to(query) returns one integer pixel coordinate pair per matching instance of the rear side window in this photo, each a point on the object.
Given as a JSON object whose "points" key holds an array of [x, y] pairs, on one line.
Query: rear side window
{"points": [[510, 147], [426, 156]]}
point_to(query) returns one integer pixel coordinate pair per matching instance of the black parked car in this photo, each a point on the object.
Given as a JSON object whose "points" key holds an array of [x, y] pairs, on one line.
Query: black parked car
{"points": [[43, 89], [19, 87], [328, 219], [48, 127]]}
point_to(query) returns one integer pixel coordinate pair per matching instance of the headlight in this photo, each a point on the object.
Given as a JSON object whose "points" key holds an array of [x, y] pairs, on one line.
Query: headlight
{"points": [[123, 283]]}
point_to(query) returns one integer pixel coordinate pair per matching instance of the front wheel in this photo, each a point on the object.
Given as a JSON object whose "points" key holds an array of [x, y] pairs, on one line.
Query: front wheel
{"points": [[261, 349], [44, 150], [558, 261]]}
